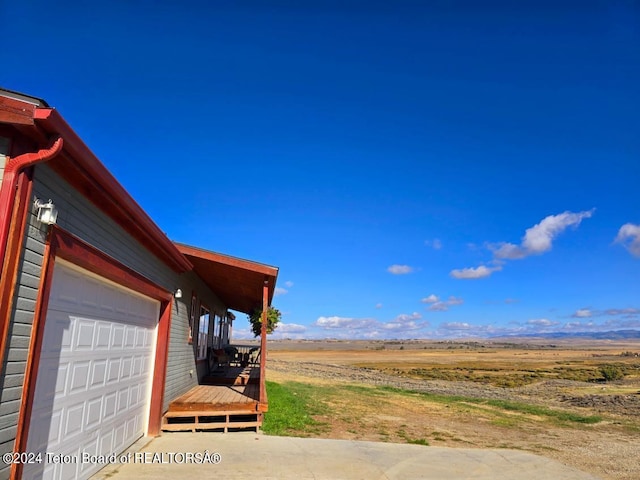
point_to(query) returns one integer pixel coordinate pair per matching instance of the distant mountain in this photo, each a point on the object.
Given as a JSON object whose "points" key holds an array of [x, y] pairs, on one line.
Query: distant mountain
{"points": [[608, 335]]}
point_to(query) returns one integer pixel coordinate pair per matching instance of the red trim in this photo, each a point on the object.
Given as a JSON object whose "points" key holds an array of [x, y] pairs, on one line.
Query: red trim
{"points": [[263, 347], [35, 346], [228, 260], [16, 111], [160, 370], [62, 244], [12, 169], [71, 248], [9, 270], [87, 174]]}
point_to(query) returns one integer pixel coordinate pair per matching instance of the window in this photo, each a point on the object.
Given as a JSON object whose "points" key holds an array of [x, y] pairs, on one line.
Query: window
{"points": [[203, 333]]}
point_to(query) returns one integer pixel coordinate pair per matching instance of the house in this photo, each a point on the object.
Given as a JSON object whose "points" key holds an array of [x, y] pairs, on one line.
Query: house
{"points": [[106, 325]]}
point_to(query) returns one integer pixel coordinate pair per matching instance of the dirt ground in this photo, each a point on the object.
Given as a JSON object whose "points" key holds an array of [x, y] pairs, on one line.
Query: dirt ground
{"points": [[609, 448]]}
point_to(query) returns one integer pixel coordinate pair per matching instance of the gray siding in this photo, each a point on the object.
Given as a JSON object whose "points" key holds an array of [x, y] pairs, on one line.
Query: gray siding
{"points": [[84, 220]]}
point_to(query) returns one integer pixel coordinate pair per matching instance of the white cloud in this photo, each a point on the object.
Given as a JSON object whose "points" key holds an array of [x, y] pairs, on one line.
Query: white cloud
{"points": [[609, 324], [629, 237], [288, 284], [582, 313], [290, 328], [430, 299], [455, 300], [630, 312], [345, 327], [280, 291], [541, 322], [511, 300], [474, 273], [436, 244], [402, 318], [612, 312], [345, 322], [507, 251], [456, 326], [405, 322], [442, 306], [538, 239], [400, 269], [378, 305], [439, 307]]}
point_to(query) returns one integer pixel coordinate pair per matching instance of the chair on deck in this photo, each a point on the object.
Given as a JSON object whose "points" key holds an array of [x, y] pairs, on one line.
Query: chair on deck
{"points": [[254, 358], [218, 358], [233, 354]]}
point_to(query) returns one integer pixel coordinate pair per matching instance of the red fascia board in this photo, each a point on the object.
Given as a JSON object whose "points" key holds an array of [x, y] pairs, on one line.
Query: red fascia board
{"points": [[228, 260], [16, 111], [50, 120]]}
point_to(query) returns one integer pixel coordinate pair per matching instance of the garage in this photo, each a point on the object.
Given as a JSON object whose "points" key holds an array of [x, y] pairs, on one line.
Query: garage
{"points": [[95, 370]]}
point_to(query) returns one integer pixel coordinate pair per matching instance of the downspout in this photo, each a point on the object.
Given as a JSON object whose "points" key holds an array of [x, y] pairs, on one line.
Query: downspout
{"points": [[12, 169]]}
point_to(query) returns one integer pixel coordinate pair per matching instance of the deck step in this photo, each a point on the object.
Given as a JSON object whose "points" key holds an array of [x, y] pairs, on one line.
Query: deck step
{"points": [[211, 421]]}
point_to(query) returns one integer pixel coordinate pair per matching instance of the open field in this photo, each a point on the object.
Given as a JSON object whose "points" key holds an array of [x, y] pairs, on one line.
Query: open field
{"points": [[547, 398]]}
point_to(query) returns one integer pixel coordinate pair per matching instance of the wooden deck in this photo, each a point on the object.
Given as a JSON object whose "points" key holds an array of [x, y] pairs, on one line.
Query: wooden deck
{"points": [[233, 376], [218, 397], [232, 404]]}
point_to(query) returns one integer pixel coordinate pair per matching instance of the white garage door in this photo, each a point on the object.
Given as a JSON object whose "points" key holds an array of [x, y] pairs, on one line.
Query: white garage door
{"points": [[94, 378]]}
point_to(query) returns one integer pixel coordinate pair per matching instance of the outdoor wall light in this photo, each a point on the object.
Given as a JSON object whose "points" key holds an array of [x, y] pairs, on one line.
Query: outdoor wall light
{"points": [[47, 212], [177, 293]]}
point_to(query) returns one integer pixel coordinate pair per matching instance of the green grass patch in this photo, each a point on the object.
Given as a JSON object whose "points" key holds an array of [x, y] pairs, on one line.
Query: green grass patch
{"points": [[294, 408], [540, 411], [419, 441], [291, 407], [505, 405]]}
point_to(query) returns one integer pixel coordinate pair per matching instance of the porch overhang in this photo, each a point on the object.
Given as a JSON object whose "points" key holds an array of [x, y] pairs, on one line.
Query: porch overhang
{"points": [[238, 282]]}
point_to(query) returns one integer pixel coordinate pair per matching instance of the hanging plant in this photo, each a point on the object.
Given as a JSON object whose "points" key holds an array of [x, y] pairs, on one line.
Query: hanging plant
{"points": [[273, 318]]}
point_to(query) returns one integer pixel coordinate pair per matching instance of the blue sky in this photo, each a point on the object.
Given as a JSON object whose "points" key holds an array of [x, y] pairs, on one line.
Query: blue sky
{"points": [[416, 169]]}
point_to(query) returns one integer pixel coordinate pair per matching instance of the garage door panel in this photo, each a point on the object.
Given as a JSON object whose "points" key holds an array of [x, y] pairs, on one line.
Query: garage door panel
{"points": [[93, 386], [118, 438], [138, 362], [129, 337], [110, 401], [98, 373], [117, 336], [125, 370], [73, 420], [84, 331], [94, 408], [103, 335], [114, 371], [105, 443], [79, 377], [60, 340], [55, 430]]}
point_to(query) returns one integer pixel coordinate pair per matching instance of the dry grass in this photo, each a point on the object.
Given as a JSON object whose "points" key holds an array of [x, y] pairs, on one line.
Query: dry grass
{"points": [[367, 412]]}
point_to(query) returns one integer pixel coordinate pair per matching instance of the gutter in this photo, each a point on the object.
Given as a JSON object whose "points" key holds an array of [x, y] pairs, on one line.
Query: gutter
{"points": [[14, 166]]}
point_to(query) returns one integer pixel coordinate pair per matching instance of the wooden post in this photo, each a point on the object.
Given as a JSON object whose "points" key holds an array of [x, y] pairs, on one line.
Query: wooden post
{"points": [[263, 343]]}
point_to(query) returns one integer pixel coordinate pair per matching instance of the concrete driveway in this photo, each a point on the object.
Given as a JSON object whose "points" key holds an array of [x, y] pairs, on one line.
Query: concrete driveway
{"points": [[179, 456]]}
